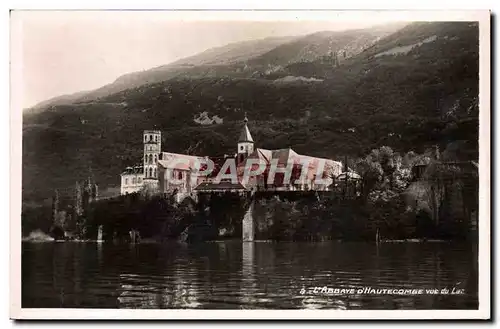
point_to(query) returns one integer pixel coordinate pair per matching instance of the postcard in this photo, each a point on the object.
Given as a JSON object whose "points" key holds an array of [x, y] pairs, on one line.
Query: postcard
{"points": [[249, 164]]}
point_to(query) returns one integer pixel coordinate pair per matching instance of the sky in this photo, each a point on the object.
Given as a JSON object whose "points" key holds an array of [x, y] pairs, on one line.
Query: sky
{"points": [[62, 52]]}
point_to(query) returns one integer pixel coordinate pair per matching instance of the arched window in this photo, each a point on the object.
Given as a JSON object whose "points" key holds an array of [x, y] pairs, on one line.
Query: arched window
{"points": [[145, 158], [151, 137], [150, 158], [154, 172], [126, 181], [150, 172], [145, 138], [155, 158], [134, 181]]}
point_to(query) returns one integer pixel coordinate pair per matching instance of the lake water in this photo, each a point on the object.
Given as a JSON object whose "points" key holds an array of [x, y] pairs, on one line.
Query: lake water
{"points": [[260, 275]]}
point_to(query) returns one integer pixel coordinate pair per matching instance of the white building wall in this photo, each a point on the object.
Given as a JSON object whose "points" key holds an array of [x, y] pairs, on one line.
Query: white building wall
{"points": [[131, 183]]}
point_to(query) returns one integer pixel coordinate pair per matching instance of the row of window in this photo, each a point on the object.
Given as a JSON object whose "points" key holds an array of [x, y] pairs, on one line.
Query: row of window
{"points": [[151, 172], [248, 148], [134, 180], [156, 138], [151, 158]]}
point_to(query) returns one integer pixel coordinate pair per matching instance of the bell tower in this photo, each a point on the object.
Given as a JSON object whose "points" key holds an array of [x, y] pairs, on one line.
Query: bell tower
{"points": [[245, 142], [152, 149]]}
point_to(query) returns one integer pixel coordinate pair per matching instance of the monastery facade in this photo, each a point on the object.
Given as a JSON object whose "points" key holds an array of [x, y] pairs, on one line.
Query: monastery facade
{"points": [[249, 169]]}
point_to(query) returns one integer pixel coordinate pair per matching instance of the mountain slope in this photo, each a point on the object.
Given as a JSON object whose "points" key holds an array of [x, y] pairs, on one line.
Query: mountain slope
{"points": [[409, 100], [317, 45], [225, 55], [234, 52], [243, 59]]}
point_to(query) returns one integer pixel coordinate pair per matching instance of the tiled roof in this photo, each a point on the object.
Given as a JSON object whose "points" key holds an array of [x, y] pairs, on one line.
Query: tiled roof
{"points": [[265, 154], [178, 161], [288, 156]]}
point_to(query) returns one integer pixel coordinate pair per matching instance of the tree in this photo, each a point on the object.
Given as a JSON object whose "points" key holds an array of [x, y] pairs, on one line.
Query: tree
{"points": [[371, 174], [386, 176], [384, 169], [445, 182]]}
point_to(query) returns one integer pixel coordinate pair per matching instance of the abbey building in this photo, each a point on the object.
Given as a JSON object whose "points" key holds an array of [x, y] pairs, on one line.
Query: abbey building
{"points": [[249, 169]]}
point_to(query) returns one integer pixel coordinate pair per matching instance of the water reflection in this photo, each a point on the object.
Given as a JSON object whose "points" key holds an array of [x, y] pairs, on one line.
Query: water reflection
{"points": [[236, 275], [248, 282]]}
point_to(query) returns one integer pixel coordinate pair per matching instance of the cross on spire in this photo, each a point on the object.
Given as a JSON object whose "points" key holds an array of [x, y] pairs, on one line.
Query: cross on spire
{"points": [[245, 135]]}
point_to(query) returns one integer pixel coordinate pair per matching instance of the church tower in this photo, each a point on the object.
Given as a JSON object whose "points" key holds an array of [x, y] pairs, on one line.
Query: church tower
{"points": [[152, 149], [245, 143]]}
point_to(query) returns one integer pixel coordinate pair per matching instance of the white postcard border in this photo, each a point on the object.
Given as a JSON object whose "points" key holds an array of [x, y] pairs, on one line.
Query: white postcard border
{"points": [[482, 16]]}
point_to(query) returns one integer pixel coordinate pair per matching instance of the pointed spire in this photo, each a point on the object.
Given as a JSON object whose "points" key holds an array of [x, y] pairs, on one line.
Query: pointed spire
{"points": [[245, 135]]}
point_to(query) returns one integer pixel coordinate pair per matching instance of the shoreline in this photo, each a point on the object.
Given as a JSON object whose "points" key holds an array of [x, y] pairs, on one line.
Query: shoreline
{"points": [[241, 241]]}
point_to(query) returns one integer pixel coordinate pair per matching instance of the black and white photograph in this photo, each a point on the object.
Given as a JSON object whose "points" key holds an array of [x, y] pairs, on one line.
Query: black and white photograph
{"points": [[217, 163]]}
